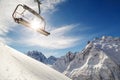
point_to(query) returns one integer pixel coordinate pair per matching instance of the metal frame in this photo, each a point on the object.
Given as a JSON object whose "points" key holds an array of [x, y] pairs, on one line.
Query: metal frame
{"points": [[26, 23], [39, 3]]}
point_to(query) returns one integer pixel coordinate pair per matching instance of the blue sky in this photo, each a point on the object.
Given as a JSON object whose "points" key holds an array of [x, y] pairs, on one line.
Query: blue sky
{"points": [[71, 23]]}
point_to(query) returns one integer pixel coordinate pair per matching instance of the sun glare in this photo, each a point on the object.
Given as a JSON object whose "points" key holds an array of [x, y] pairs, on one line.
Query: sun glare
{"points": [[37, 24]]}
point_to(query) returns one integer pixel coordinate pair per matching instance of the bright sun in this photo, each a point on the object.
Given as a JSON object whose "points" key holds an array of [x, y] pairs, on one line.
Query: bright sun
{"points": [[37, 24]]}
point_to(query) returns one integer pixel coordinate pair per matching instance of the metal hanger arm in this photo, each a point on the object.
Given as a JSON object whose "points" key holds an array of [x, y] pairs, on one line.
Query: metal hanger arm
{"points": [[39, 6]]}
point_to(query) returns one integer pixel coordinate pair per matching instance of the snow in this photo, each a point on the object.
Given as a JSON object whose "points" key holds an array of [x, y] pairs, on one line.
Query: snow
{"points": [[62, 63], [111, 46], [100, 60], [41, 57], [17, 66]]}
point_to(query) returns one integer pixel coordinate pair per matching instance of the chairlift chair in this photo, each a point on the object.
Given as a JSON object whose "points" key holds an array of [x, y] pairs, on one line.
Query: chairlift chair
{"points": [[20, 18]]}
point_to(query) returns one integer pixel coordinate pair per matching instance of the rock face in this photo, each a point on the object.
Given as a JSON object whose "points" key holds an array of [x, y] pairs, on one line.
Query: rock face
{"points": [[51, 60], [40, 57], [62, 63], [100, 60]]}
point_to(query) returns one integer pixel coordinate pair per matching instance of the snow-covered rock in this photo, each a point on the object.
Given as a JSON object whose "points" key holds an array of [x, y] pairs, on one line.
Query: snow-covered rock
{"points": [[100, 60], [40, 57], [62, 63], [17, 66], [51, 60]]}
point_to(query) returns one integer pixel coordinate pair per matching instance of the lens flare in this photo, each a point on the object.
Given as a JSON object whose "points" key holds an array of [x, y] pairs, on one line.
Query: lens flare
{"points": [[37, 24]]}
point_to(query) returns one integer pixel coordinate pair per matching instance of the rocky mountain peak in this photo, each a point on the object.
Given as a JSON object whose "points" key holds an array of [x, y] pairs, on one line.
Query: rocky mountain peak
{"points": [[99, 60], [40, 57]]}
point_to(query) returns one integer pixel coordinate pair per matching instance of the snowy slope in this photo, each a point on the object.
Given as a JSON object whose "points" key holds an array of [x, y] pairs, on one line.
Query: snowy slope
{"points": [[100, 60], [17, 66], [111, 46]]}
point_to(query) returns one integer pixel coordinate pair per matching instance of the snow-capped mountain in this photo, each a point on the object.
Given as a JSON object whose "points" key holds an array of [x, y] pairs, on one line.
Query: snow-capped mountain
{"points": [[40, 57], [100, 60], [62, 63], [17, 66], [51, 60]]}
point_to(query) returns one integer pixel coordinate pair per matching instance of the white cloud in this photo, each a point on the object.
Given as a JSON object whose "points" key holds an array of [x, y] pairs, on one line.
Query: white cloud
{"points": [[7, 8], [49, 5], [5, 40], [57, 39]]}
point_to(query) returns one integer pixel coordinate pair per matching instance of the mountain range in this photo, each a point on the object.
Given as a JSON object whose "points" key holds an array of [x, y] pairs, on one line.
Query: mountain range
{"points": [[41, 57], [99, 60]]}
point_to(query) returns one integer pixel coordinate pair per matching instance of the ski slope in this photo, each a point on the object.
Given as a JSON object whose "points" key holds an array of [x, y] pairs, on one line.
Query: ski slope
{"points": [[17, 66]]}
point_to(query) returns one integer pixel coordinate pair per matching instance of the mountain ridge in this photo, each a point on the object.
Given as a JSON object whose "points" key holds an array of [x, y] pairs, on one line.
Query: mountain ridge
{"points": [[39, 56], [99, 60]]}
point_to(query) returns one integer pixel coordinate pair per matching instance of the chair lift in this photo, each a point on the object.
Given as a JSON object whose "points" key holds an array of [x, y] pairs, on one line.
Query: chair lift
{"points": [[37, 22]]}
